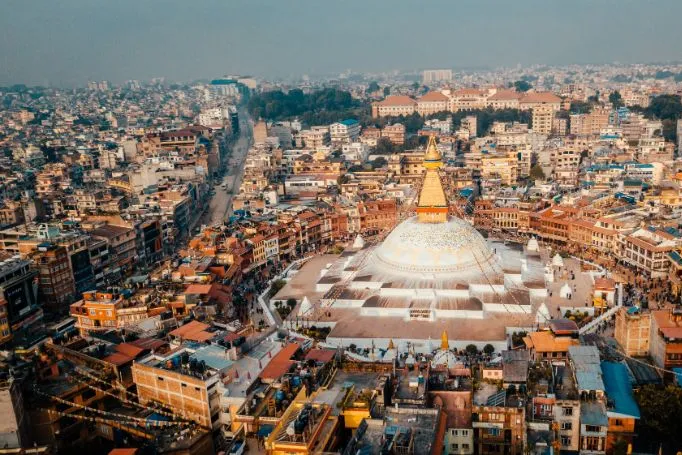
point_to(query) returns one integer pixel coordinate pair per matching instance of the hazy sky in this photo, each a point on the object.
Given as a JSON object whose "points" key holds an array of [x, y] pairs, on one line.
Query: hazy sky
{"points": [[68, 42]]}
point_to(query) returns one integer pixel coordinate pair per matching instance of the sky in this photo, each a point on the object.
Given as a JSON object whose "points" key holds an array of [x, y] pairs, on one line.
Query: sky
{"points": [[69, 42]]}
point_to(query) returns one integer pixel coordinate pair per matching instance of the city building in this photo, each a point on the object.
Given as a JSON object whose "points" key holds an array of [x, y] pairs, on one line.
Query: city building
{"points": [[431, 76], [344, 132], [105, 311], [633, 331], [394, 106]]}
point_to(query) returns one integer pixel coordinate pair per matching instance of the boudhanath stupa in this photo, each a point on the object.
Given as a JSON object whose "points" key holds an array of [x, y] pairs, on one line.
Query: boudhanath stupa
{"points": [[434, 273]]}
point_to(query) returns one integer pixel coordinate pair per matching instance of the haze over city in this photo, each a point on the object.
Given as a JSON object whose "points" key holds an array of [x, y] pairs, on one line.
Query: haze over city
{"points": [[69, 42], [346, 227]]}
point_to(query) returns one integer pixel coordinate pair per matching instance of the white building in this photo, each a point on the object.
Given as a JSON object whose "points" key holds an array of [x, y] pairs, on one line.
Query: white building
{"points": [[345, 131]]}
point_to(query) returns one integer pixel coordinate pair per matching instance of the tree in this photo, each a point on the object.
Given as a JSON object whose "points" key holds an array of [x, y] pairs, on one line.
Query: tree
{"points": [[488, 349], [536, 173], [291, 302], [384, 146], [373, 87], [379, 162], [580, 107], [387, 91], [471, 349], [522, 86], [664, 107], [616, 99], [661, 416]]}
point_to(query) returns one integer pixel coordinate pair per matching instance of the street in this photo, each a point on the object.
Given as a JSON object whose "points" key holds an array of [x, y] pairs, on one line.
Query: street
{"points": [[219, 208]]}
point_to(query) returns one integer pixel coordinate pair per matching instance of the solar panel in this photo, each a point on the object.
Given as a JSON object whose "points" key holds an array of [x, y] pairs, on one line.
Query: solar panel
{"points": [[497, 399]]}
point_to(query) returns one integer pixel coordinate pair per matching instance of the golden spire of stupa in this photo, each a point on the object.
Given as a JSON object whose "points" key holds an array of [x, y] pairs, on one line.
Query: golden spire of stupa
{"points": [[390, 344], [432, 159], [432, 206], [444, 343]]}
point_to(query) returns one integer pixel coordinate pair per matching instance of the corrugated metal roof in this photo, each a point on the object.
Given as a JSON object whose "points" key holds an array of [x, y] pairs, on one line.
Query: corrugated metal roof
{"points": [[619, 389]]}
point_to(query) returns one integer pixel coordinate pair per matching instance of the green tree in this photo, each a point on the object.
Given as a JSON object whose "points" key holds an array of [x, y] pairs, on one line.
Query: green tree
{"points": [[536, 173], [384, 147], [522, 86], [488, 349], [580, 107], [664, 107], [616, 99], [387, 90], [373, 87], [661, 416], [379, 162], [471, 349]]}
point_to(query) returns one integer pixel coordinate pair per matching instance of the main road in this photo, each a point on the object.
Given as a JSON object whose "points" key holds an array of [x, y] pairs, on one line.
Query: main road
{"points": [[220, 206]]}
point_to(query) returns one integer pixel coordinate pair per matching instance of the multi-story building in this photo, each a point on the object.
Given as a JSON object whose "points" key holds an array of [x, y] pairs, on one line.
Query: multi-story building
{"points": [[532, 100], [55, 280], [467, 99], [432, 102], [181, 381], [394, 133], [105, 311], [121, 245], [378, 215], [79, 257], [543, 118], [24, 315], [502, 166], [394, 106], [14, 428], [665, 342], [632, 331], [647, 250], [183, 141], [470, 123], [314, 138], [499, 429], [11, 213], [504, 99], [431, 76], [344, 132], [590, 124]]}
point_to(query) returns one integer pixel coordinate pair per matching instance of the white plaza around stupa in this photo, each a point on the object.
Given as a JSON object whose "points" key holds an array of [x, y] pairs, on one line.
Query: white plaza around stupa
{"points": [[433, 274]]}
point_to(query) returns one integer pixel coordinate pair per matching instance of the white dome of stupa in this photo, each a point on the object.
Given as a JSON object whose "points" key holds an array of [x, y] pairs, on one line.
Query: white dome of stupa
{"points": [[448, 250]]}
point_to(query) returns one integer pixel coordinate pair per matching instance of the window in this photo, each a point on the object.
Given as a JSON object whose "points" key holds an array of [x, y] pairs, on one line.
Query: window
{"points": [[566, 425], [465, 446], [565, 441], [568, 411], [592, 443], [455, 446], [453, 432], [618, 422], [493, 431]]}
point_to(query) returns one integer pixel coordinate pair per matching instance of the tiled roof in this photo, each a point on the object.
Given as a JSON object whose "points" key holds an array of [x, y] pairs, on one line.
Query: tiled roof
{"points": [[397, 100]]}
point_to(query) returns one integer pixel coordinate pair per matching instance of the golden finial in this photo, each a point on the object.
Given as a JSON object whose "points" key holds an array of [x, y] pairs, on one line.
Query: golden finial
{"points": [[444, 343], [390, 344], [432, 158]]}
